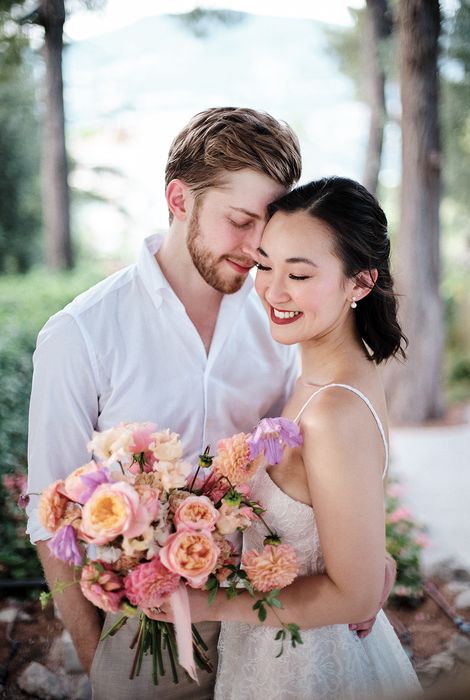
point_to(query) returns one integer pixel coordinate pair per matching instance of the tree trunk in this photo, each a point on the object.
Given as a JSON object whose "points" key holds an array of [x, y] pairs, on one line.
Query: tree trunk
{"points": [[54, 159], [377, 27], [417, 391]]}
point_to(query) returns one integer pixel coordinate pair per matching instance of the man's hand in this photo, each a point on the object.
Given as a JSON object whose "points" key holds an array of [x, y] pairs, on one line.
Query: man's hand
{"points": [[365, 628]]}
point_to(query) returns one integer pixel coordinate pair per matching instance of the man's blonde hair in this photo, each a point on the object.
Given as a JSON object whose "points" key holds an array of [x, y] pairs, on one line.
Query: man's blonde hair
{"points": [[233, 138]]}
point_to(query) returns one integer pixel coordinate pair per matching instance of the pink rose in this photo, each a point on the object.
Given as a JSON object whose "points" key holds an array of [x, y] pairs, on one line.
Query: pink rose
{"points": [[196, 513], [150, 584], [232, 518], [401, 513], [102, 588], [191, 554], [112, 510], [149, 497]]}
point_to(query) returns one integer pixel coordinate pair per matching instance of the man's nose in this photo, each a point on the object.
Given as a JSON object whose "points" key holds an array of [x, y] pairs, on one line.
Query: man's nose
{"points": [[252, 240]]}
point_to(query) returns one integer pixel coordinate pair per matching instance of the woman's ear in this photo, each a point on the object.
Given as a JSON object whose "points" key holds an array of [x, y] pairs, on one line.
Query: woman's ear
{"points": [[364, 283], [176, 196]]}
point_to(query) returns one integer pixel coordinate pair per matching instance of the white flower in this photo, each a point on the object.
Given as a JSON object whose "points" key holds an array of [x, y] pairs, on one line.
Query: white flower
{"points": [[166, 446], [132, 545], [173, 475], [113, 445], [103, 553]]}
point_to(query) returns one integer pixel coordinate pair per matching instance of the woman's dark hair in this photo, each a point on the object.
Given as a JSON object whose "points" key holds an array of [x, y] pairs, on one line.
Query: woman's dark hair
{"points": [[359, 228]]}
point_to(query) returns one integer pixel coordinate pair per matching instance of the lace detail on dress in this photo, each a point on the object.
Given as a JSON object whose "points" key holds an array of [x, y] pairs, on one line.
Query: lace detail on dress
{"points": [[332, 663]]}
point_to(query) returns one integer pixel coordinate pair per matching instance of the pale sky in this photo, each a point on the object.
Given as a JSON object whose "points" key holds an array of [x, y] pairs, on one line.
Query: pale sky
{"points": [[120, 13]]}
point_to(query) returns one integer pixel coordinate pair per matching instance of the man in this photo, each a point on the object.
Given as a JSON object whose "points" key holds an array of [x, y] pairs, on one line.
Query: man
{"points": [[179, 339]]}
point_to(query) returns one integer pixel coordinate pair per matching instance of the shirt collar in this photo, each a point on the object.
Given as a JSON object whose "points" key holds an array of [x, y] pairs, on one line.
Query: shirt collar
{"points": [[155, 281]]}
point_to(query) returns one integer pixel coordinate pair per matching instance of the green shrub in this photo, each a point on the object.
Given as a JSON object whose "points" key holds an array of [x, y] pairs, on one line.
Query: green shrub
{"points": [[26, 302], [405, 541]]}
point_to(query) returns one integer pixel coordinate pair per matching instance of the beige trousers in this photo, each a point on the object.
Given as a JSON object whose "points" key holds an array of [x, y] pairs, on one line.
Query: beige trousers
{"points": [[112, 663]]}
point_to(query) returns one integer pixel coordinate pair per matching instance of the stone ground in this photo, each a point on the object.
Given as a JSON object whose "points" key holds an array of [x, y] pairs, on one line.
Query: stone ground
{"points": [[45, 665]]}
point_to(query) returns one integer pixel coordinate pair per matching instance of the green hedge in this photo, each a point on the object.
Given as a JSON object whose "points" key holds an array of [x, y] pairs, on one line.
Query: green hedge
{"points": [[26, 302]]}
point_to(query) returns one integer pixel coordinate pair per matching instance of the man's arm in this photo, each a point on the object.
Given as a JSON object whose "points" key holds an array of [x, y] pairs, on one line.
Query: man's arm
{"points": [[63, 414], [80, 617]]}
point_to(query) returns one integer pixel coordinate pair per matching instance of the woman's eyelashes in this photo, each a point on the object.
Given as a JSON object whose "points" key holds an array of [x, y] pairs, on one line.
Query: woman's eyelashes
{"points": [[264, 268], [261, 268]]}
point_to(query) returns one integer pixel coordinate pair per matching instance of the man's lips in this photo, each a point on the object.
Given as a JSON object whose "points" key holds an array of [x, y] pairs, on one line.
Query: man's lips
{"points": [[283, 321], [238, 267]]}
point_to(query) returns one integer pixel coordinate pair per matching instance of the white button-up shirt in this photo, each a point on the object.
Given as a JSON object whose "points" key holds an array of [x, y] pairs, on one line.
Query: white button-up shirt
{"points": [[126, 350]]}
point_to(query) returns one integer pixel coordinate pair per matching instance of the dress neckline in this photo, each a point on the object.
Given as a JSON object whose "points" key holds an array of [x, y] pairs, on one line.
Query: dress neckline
{"points": [[283, 493]]}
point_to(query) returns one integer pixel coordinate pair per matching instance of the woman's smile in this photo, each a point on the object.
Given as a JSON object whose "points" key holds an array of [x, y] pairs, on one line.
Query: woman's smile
{"points": [[281, 316]]}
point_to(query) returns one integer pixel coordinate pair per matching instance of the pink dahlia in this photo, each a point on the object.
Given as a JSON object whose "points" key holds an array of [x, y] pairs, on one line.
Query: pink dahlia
{"points": [[102, 587], [275, 567], [234, 461], [150, 584]]}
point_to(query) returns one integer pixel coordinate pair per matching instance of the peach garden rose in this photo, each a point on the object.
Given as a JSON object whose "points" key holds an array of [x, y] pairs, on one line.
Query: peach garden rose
{"points": [[196, 513], [112, 510], [191, 554]]}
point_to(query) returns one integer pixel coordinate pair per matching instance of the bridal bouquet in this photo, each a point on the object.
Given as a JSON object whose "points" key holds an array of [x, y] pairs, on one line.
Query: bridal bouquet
{"points": [[140, 526]]}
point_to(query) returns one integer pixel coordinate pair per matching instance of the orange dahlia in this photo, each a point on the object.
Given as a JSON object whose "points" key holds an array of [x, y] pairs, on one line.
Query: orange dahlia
{"points": [[233, 459], [275, 567]]}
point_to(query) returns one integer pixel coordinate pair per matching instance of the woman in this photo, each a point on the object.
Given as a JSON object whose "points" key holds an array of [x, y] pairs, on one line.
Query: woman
{"points": [[324, 279]]}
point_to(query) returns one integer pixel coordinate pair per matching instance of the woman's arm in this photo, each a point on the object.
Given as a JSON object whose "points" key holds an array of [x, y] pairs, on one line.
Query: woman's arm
{"points": [[343, 455]]}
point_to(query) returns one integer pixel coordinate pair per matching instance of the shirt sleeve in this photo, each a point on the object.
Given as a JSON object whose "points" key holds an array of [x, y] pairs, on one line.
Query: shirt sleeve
{"points": [[63, 410]]}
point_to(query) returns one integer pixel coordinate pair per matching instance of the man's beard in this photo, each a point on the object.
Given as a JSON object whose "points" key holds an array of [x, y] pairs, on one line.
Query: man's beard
{"points": [[206, 263]]}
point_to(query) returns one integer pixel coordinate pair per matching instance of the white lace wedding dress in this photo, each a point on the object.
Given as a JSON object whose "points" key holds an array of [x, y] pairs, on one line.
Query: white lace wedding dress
{"points": [[332, 663]]}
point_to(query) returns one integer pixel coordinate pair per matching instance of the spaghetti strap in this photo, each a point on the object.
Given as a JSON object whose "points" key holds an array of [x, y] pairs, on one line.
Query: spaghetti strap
{"points": [[368, 404]]}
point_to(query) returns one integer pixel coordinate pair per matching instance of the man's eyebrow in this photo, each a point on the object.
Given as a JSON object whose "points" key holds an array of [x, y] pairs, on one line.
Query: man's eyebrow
{"points": [[245, 211]]}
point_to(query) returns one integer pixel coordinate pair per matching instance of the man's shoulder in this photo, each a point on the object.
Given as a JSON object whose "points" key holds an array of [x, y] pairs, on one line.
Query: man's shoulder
{"points": [[103, 292]]}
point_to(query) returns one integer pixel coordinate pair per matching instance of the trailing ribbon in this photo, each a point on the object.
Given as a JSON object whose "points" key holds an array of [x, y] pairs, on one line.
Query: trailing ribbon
{"points": [[179, 601]]}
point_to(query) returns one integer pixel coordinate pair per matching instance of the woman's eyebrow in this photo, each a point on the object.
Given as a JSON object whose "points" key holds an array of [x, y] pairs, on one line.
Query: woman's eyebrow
{"points": [[290, 260], [301, 260]]}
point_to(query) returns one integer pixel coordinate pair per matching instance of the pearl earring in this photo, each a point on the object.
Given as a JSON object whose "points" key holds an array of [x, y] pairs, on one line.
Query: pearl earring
{"points": [[353, 303]]}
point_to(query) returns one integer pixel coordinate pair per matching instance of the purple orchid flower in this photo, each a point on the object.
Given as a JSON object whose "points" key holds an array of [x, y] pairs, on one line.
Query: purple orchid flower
{"points": [[271, 436], [64, 546], [93, 480]]}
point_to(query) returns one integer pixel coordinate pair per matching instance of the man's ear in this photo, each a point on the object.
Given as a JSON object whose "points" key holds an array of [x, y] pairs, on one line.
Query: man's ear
{"points": [[177, 193], [364, 284]]}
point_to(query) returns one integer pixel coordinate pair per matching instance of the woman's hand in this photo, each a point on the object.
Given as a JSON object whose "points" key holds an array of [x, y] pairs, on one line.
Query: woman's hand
{"points": [[363, 629]]}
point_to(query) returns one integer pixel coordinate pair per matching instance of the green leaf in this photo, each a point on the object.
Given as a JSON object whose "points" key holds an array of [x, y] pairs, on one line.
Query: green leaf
{"points": [[212, 595], [44, 599], [262, 614], [232, 592]]}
